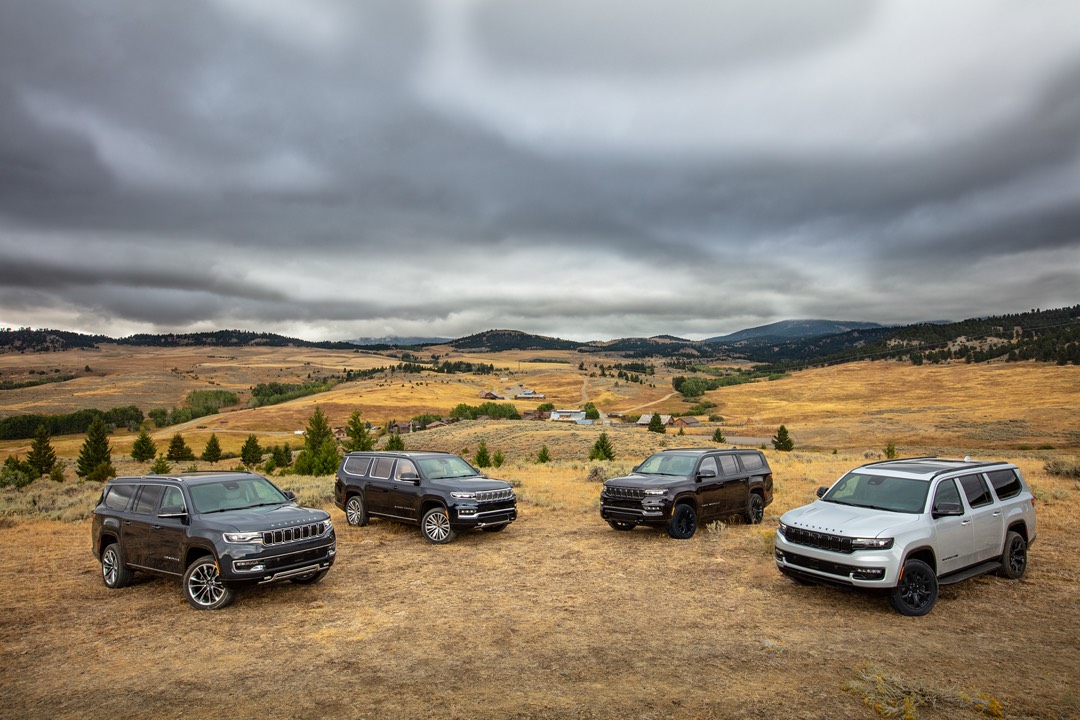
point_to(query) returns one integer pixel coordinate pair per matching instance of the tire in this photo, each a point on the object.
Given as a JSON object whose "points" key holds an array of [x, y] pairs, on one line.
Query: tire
{"points": [[355, 511], [683, 522], [1014, 558], [621, 525], [114, 572], [917, 590], [310, 578], [755, 509], [202, 585], [436, 526], [495, 528]]}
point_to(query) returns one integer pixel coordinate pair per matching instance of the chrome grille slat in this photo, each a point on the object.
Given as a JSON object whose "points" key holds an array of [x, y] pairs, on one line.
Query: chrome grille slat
{"points": [[293, 534], [494, 495], [823, 541], [626, 493]]}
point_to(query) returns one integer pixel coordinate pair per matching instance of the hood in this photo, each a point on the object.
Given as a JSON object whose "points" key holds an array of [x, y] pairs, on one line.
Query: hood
{"points": [[846, 520], [270, 517], [473, 484], [639, 480]]}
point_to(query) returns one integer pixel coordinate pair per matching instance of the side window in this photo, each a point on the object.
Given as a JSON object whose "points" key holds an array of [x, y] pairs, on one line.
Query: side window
{"points": [[148, 499], [1006, 483], [173, 498], [947, 494], [751, 461], [404, 466], [382, 468], [357, 465], [708, 463], [118, 496], [728, 464], [975, 490]]}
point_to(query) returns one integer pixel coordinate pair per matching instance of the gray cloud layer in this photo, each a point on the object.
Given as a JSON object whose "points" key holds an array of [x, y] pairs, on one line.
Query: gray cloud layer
{"points": [[330, 169]]}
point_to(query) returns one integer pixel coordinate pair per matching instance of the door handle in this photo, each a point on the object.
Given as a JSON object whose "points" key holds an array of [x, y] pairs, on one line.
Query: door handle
{"points": [[997, 514], [965, 522]]}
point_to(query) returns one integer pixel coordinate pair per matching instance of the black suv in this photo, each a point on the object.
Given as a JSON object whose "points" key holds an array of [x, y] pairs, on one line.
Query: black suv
{"points": [[219, 531], [678, 489], [438, 491]]}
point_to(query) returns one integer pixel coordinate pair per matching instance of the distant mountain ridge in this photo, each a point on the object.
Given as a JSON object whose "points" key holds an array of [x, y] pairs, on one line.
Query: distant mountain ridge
{"points": [[397, 340], [794, 329]]}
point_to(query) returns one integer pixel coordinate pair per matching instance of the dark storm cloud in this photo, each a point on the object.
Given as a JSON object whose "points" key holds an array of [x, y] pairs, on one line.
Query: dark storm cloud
{"points": [[334, 169]]}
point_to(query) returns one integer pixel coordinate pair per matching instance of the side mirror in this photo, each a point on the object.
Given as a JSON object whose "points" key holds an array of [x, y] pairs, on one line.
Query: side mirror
{"points": [[706, 474], [172, 511], [410, 477], [820, 492], [291, 495], [947, 509], [636, 468]]}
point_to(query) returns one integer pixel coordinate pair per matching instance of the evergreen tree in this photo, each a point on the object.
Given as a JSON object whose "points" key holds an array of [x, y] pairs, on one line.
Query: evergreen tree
{"points": [[41, 457], [144, 448], [890, 450], [96, 451], [161, 466], [782, 441], [318, 432], [656, 425], [359, 437], [178, 449], [251, 453], [591, 413], [718, 436], [57, 473], [212, 451], [320, 454], [497, 459], [482, 459], [602, 449], [394, 442], [543, 456]]}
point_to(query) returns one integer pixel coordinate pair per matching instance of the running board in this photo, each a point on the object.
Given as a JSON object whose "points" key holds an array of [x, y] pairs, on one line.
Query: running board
{"points": [[970, 572]]}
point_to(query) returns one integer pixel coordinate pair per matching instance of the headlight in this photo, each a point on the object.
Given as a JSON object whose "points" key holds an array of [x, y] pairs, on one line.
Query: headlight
{"points": [[461, 495], [329, 526], [782, 529], [243, 537], [871, 543], [656, 491]]}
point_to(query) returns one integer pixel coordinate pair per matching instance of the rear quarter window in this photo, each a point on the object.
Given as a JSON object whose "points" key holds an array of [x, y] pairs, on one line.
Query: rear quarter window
{"points": [[752, 461], [1006, 483], [382, 468], [118, 496], [357, 465]]}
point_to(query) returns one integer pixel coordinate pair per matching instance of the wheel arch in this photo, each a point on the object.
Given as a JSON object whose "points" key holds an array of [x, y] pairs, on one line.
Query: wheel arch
{"points": [[1020, 528], [430, 502], [106, 539], [926, 554], [195, 552]]}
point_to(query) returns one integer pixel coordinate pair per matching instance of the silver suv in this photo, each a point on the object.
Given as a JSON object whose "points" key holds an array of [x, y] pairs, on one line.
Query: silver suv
{"points": [[907, 526]]}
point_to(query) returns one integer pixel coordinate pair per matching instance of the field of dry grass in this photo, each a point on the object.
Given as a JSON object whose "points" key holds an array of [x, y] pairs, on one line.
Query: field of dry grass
{"points": [[559, 616]]}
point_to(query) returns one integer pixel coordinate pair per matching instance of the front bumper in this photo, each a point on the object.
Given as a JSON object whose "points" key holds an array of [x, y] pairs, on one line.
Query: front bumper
{"points": [[253, 564], [863, 568], [477, 516], [658, 513]]}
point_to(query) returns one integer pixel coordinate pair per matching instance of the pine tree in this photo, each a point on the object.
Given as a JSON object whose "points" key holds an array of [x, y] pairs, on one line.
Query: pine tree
{"points": [[656, 425], [212, 451], [359, 437], [591, 413], [178, 449], [144, 449], [602, 449], [718, 436], [318, 432], [394, 442], [96, 451], [543, 456], [782, 441], [41, 457], [251, 453], [320, 454], [161, 466], [497, 459], [482, 459]]}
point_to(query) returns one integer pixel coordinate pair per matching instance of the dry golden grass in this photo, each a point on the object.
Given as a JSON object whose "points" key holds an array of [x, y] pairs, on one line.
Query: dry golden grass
{"points": [[559, 616]]}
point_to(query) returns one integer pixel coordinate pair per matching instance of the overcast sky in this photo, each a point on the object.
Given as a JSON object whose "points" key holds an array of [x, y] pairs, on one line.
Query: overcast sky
{"points": [[588, 169]]}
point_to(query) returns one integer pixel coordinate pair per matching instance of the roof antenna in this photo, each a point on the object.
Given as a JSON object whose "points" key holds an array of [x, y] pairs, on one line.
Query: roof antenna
{"points": [[967, 458]]}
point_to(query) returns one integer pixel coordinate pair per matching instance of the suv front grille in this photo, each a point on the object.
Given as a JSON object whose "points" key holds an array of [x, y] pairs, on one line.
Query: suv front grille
{"points": [[626, 493], [485, 496], [294, 534], [823, 541]]}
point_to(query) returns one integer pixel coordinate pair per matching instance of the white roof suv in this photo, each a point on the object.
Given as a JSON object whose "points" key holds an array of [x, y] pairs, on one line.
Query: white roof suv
{"points": [[908, 526]]}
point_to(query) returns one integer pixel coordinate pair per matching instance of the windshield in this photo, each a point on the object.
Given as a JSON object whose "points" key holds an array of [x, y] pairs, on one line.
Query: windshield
{"points": [[667, 464], [439, 468], [880, 492], [235, 494]]}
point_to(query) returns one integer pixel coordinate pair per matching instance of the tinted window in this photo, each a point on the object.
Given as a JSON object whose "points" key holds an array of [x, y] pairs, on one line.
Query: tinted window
{"points": [[148, 499], [357, 465], [1006, 483], [173, 498], [404, 466], [976, 491], [708, 463], [382, 468], [235, 494], [727, 463], [947, 494], [751, 462], [118, 496], [880, 492]]}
